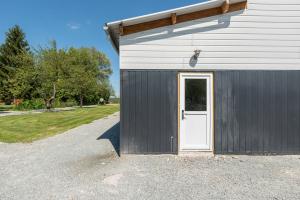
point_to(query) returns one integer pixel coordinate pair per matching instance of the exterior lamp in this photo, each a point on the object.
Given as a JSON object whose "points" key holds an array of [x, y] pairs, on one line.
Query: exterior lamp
{"points": [[194, 58], [196, 54]]}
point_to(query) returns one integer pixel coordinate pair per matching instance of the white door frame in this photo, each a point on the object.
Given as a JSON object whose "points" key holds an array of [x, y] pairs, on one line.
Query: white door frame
{"points": [[210, 107]]}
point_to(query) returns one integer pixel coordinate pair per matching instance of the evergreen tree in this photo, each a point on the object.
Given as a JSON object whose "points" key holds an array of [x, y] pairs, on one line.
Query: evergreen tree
{"points": [[15, 45], [11, 52]]}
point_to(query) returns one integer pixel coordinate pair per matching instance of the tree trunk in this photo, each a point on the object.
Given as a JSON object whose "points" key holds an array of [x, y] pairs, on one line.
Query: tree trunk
{"points": [[81, 101], [49, 102], [54, 93]]}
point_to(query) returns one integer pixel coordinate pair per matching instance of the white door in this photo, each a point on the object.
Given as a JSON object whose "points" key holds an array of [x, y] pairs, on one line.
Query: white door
{"points": [[196, 111]]}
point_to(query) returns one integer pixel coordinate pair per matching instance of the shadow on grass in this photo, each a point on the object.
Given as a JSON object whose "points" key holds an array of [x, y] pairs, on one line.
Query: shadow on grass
{"points": [[113, 135]]}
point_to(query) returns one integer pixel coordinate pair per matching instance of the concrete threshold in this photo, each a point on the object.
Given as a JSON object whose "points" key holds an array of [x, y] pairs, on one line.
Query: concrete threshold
{"points": [[196, 154]]}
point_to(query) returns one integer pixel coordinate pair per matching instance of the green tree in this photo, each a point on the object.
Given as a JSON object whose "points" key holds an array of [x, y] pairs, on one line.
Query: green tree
{"points": [[105, 90], [3, 70], [25, 81], [89, 69], [11, 52], [51, 66]]}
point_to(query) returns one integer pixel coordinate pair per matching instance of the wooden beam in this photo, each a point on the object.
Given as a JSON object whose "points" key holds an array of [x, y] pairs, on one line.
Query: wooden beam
{"points": [[173, 18], [121, 29], [225, 6], [181, 18]]}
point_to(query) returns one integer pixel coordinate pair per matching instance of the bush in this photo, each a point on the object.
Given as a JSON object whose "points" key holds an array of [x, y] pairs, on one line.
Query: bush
{"points": [[67, 103], [114, 100], [31, 105]]}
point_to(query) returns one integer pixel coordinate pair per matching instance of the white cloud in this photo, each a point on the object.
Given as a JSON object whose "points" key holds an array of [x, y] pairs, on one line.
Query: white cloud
{"points": [[74, 26]]}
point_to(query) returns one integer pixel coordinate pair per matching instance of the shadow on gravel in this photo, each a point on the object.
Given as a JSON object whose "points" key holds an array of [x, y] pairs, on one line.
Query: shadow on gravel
{"points": [[113, 135]]}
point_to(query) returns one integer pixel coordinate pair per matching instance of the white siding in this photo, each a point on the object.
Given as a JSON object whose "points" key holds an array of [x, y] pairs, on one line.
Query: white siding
{"points": [[265, 36]]}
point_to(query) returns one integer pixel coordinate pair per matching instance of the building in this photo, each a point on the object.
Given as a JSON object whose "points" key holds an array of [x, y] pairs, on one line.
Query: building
{"points": [[220, 76]]}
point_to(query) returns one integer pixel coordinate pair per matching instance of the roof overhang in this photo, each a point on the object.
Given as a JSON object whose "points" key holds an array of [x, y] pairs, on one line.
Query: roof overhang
{"points": [[210, 8]]}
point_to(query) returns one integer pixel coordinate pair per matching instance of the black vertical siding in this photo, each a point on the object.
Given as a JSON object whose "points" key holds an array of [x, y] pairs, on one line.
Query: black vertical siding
{"points": [[149, 112], [257, 112]]}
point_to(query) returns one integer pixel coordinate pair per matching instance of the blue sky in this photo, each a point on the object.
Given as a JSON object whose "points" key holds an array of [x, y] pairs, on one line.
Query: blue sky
{"points": [[76, 23]]}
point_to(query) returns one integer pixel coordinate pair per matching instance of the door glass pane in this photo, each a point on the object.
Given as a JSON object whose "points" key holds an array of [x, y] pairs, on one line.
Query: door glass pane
{"points": [[195, 94]]}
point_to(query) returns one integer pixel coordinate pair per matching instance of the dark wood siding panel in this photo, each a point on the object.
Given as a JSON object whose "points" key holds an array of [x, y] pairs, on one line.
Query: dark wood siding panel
{"points": [[257, 112], [157, 111], [224, 114], [248, 106], [284, 133], [173, 99], [132, 113], [272, 113], [236, 110], [230, 115], [168, 110], [254, 112], [297, 108], [293, 111], [278, 111], [266, 111], [144, 112], [139, 143], [149, 112], [152, 109], [242, 116], [124, 135], [163, 105], [260, 111], [218, 112]]}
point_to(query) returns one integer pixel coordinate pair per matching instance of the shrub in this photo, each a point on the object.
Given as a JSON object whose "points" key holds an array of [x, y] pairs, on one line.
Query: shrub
{"points": [[67, 103], [31, 104], [114, 100]]}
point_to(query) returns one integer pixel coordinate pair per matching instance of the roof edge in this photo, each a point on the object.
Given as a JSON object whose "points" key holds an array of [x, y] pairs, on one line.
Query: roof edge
{"points": [[124, 21], [165, 18], [110, 37]]}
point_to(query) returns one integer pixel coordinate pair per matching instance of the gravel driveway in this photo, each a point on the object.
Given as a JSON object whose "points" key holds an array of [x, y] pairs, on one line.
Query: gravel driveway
{"points": [[80, 165]]}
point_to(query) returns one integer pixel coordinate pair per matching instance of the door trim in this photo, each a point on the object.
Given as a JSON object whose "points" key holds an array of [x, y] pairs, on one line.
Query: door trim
{"points": [[212, 113]]}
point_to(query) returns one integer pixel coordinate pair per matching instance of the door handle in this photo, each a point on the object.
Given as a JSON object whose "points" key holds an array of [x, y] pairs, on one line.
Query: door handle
{"points": [[182, 114]]}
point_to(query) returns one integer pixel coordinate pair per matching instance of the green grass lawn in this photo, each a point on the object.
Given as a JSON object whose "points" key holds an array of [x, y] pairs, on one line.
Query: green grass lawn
{"points": [[30, 127]]}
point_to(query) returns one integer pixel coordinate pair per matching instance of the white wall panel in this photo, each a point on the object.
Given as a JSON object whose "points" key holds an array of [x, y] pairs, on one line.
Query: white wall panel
{"points": [[265, 36]]}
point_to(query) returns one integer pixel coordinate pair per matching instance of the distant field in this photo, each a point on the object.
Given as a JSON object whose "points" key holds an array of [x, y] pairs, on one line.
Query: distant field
{"points": [[30, 127]]}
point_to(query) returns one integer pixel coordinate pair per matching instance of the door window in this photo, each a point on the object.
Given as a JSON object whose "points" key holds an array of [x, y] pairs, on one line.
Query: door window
{"points": [[195, 95]]}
